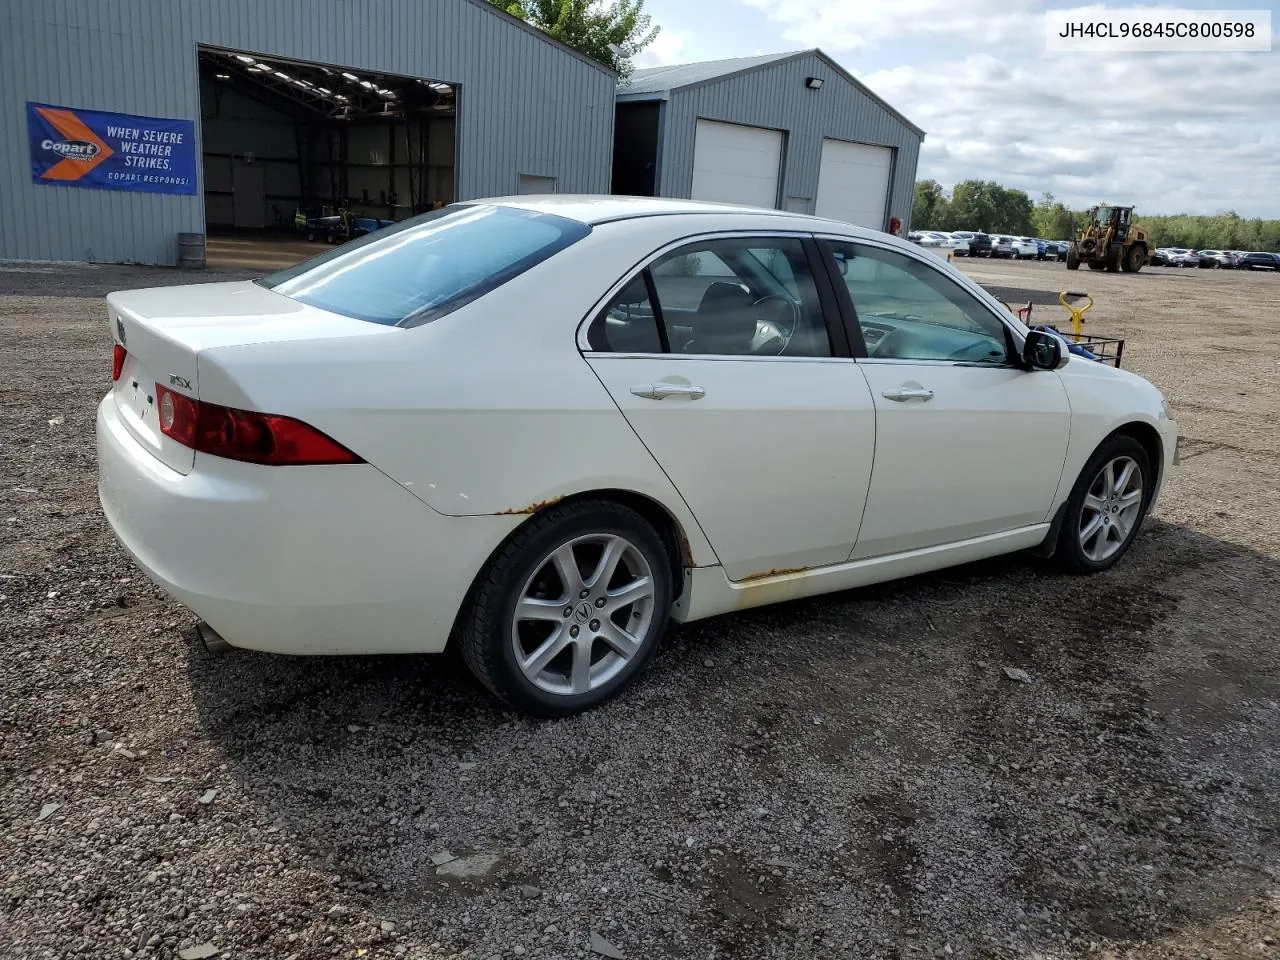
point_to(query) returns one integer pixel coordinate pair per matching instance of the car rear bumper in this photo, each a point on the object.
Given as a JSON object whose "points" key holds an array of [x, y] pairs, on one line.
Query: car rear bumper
{"points": [[297, 560]]}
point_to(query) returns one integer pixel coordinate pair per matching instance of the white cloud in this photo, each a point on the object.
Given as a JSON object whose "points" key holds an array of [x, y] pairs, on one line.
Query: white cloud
{"points": [[856, 24], [1163, 132], [667, 49], [1185, 132]]}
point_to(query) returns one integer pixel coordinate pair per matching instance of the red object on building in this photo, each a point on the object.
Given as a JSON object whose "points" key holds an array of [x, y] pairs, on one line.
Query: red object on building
{"points": [[895, 225]]}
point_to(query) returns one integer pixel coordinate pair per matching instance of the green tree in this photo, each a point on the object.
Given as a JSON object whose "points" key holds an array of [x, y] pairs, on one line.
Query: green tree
{"points": [[931, 208], [986, 205], [1052, 220], [611, 33]]}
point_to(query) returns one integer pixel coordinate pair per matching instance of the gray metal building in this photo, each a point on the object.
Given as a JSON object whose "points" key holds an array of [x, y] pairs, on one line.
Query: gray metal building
{"points": [[384, 106], [790, 131]]}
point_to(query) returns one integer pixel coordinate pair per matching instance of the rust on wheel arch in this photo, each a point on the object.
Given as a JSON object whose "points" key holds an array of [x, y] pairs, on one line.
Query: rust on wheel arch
{"points": [[535, 507]]}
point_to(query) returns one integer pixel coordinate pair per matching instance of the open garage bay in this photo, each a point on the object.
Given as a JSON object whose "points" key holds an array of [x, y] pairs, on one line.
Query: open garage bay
{"points": [[852, 776]]}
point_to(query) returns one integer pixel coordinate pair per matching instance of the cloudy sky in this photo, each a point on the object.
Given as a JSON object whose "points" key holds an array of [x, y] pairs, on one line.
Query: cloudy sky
{"points": [[1169, 132]]}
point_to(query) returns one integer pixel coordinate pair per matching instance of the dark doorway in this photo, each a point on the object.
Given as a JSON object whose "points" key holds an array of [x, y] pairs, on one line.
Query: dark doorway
{"points": [[635, 149], [294, 148]]}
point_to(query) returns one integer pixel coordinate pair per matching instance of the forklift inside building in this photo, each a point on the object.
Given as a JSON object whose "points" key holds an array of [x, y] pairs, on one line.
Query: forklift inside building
{"points": [[299, 154]]}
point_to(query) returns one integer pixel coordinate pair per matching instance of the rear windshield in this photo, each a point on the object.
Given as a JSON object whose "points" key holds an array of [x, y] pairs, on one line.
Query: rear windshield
{"points": [[427, 266]]}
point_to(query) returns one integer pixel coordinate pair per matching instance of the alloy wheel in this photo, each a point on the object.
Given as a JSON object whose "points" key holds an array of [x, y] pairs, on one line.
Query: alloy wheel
{"points": [[1111, 509], [583, 614]]}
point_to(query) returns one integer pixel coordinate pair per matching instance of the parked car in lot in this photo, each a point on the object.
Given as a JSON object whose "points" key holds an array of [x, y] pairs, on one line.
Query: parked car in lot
{"points": [[1215, 259], [979, 242], [938, 244], [1002, 246], [960, 244], [1024, 248], [543, 427], [1181, 257], [1160, 257], [1259, 261], [931, 238], [1063, 247]]}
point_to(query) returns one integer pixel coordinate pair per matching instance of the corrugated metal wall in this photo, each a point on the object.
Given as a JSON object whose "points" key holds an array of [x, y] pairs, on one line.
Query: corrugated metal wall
{"points": [[776, 97], [526, 105]]}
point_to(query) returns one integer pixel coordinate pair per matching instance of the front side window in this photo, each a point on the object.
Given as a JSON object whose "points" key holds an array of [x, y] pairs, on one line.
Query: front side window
{"points": [[427, 266], [742, 297], [907, 310]]}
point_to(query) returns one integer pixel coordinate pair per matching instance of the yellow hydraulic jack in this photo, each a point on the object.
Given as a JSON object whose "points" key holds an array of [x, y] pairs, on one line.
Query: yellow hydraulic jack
{"points": [[1071, 302]]}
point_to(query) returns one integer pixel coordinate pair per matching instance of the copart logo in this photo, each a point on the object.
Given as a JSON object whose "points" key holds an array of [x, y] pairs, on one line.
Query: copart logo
{"points": [[72, 149]]}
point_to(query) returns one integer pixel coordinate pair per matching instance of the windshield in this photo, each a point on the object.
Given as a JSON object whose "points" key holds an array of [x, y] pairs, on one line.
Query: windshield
{"points": [[427, 266], [1104, 214]]}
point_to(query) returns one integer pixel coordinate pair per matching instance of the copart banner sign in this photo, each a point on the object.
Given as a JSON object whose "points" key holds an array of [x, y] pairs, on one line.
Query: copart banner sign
{"points": [[111, 151]]}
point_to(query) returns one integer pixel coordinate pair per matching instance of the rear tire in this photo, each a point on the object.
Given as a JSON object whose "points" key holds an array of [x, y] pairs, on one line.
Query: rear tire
{"points": [[1073, 259], [573, 643], [1135, 259], [1106, 508]]}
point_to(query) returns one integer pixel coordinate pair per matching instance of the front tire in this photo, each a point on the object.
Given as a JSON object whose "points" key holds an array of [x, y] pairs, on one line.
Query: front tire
{"points": [[1073, 258], [1106, 508], [570, 611]]}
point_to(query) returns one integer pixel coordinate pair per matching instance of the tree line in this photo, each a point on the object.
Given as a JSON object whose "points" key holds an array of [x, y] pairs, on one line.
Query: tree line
{"points": [[610, 32], [986, 205]]}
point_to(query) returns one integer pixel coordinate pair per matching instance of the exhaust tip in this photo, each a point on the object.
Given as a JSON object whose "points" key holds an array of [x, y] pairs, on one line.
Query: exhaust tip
{"points": [[212, 640]]}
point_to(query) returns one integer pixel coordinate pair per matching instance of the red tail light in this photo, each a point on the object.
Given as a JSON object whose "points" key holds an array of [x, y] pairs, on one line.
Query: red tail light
{"points": [[117, 361], [245, 435]]}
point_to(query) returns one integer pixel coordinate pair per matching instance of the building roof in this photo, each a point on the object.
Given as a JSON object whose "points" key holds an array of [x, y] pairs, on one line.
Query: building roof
{"points": [[657, 83], [674, 76]]}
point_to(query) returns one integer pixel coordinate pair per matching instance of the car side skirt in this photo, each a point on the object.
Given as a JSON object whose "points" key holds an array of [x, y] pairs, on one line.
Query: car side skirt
{"points": [[708, 592]]}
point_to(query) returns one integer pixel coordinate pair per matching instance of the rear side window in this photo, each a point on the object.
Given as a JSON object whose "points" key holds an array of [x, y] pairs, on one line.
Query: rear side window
{"points": [[427, 266]]}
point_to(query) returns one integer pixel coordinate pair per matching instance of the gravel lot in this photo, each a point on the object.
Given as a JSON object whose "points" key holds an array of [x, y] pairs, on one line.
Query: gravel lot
{"points": [[853, 776]]}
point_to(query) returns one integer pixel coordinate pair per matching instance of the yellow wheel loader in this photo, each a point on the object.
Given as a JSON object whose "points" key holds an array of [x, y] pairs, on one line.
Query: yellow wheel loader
{"points": [[1110, 242]]}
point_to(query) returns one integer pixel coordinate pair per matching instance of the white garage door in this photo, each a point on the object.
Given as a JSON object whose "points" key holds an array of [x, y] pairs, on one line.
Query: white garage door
{"points": [[736, 164], [853, 183]]}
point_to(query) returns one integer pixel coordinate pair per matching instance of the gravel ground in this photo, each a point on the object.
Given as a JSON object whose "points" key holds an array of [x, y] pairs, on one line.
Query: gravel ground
{"points": [[852, 776]]}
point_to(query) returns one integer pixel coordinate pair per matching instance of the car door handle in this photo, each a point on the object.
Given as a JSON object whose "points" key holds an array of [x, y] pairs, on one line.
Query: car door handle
{"points": [[902, 394], [660, 391]]}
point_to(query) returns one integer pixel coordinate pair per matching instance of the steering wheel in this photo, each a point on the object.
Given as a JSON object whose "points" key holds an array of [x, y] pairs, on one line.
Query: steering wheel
{"points": [[893, 344], [769, 333]]}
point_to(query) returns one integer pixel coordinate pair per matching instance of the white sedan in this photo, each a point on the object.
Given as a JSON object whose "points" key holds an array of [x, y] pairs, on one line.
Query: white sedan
{"points": [[1024, 248], [541, 428]]}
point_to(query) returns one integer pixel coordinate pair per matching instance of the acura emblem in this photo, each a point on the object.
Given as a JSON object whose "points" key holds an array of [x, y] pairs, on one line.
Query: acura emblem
{"points": [[120, 331]]}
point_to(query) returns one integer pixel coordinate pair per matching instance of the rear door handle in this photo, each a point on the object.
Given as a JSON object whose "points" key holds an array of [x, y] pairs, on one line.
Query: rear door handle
{"points": [[660, 391], [902, 394]]}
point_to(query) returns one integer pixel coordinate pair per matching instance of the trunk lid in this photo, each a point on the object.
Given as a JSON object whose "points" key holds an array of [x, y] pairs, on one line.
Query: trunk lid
{"points": [[165, 329]]}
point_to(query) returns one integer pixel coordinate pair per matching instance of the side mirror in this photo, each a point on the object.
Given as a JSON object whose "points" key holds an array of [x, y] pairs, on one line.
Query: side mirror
{"points": [[1045, 351]]}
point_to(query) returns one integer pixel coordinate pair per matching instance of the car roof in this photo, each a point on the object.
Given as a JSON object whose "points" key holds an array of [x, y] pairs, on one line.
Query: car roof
{"points": [[594, 209]]}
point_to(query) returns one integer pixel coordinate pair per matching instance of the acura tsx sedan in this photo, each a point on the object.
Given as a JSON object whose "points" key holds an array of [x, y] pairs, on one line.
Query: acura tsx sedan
{"points": [[543, 428]]}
